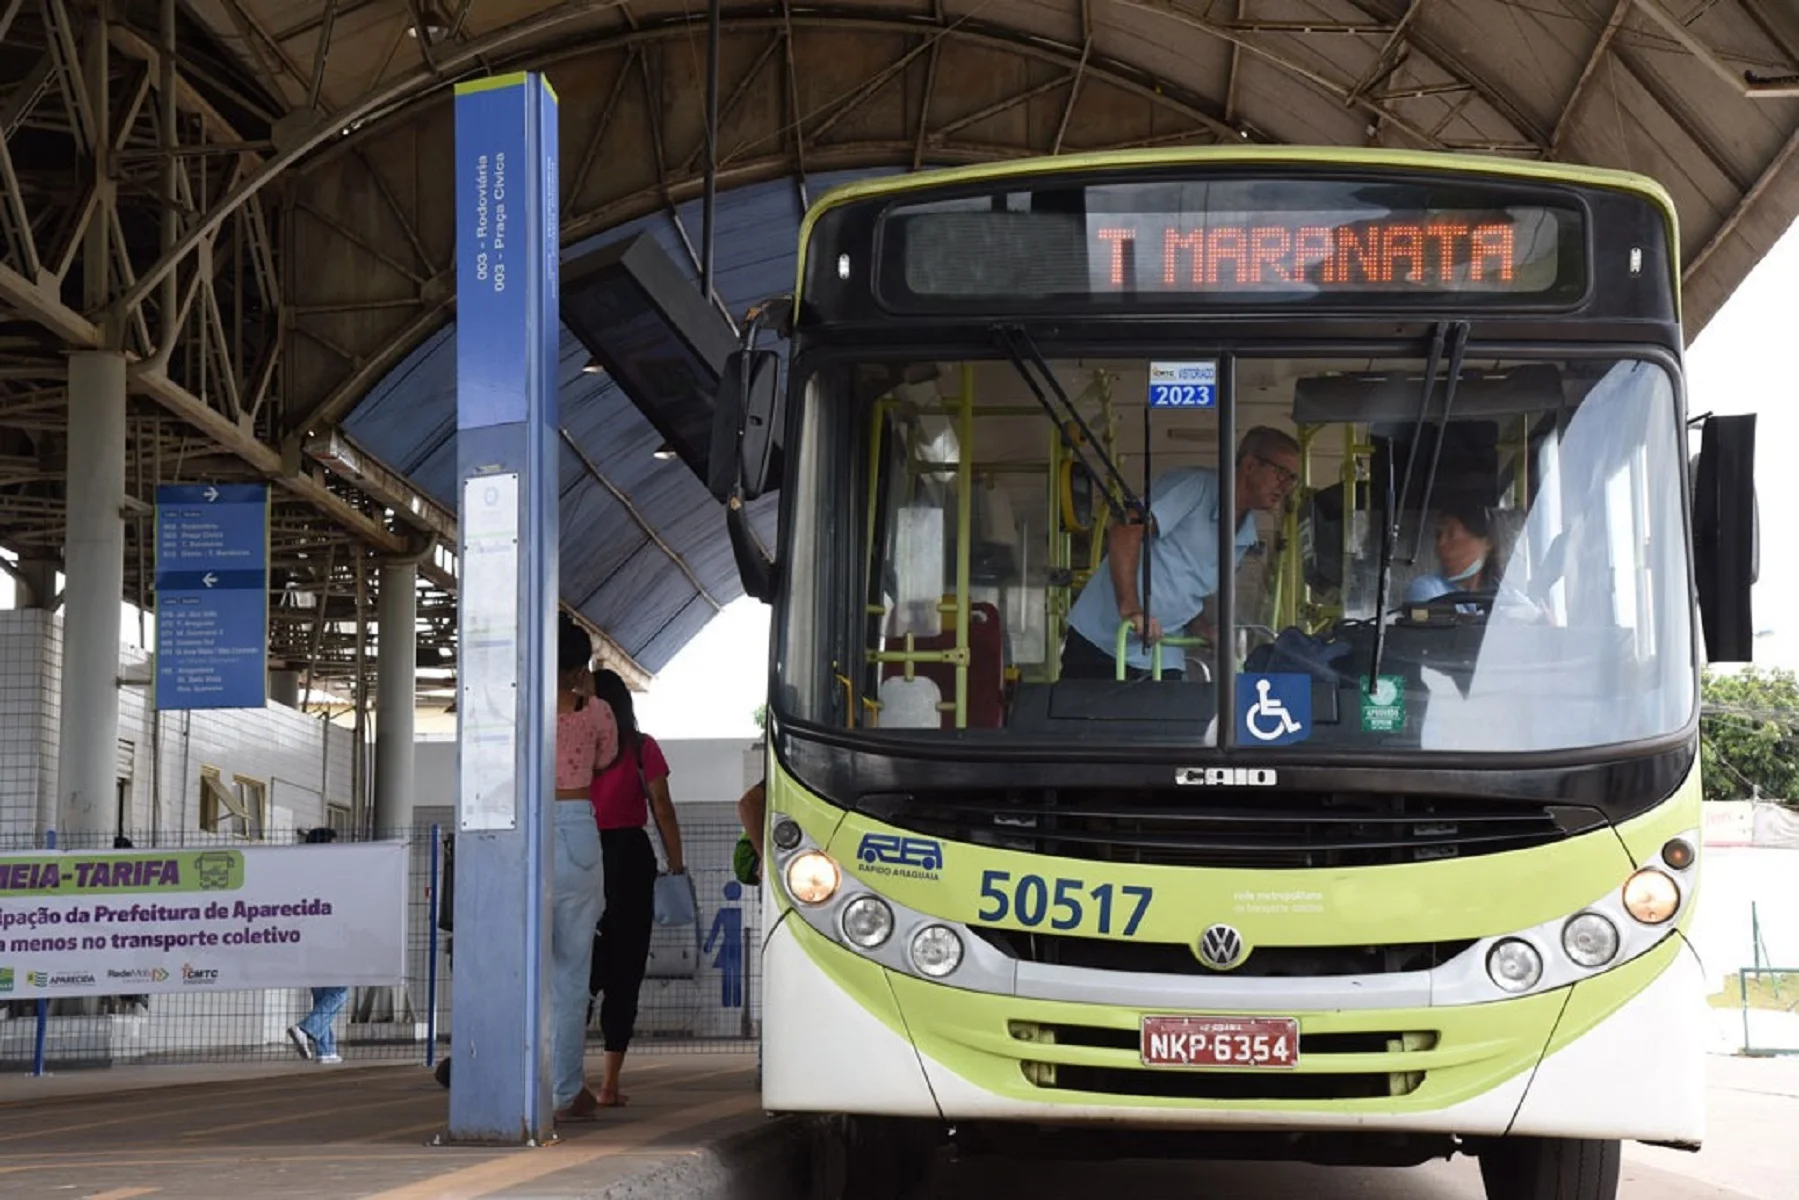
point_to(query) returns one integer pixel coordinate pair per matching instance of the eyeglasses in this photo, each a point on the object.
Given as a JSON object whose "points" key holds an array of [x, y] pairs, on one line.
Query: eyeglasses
{"points": [[1287, 478]]}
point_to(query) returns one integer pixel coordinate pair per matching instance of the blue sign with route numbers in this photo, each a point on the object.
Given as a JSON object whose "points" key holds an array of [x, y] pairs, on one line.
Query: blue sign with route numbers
{"points": [[212, 596]]}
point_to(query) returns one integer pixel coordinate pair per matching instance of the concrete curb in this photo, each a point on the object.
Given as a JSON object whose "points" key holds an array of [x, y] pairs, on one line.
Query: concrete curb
{"points": [[777, 1160]]}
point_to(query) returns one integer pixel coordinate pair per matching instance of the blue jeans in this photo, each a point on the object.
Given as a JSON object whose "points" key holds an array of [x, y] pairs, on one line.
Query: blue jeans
{"points": [[577, 898], [327, 1002]]}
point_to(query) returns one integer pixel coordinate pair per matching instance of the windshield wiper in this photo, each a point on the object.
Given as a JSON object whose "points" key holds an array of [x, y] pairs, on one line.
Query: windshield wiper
{"points": [[1457, 332], [1022, 350]]}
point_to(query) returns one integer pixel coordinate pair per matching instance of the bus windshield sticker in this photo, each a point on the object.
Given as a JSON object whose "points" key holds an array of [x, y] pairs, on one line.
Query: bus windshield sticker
{"points": [[1274, 709], [1183, 385], [1383, 705]]}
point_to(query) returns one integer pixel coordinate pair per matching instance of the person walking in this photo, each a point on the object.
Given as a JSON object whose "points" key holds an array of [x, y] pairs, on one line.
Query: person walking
{"points": [[625, 796], [312, 1035]]}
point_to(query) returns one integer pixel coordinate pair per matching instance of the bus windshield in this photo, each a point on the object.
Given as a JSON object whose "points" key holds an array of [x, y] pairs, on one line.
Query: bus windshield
{"points": [[1499, 567]]}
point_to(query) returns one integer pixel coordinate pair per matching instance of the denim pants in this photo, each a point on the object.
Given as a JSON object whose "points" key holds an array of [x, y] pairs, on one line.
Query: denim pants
{"points": [[577, 898], [327, 1002]]}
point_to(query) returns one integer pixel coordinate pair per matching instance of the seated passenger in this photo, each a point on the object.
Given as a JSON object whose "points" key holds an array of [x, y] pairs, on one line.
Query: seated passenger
{"points": [[1466, 556]]}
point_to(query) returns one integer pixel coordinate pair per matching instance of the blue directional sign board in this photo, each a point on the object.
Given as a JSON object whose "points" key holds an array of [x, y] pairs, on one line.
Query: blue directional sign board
{"points": [[212, 595], [508, 250]]}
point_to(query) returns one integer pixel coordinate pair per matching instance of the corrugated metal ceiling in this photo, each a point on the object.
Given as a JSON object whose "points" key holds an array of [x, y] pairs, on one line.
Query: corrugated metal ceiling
{"points": [[1703, 96], [644, 554]]}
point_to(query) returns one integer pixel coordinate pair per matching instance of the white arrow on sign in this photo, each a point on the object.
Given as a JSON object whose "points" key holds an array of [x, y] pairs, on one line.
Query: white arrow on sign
{"points": [[211, 493], [209, 579]]}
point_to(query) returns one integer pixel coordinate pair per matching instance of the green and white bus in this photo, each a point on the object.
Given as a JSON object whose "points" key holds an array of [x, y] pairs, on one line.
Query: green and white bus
{"points": [[1374, 855]]}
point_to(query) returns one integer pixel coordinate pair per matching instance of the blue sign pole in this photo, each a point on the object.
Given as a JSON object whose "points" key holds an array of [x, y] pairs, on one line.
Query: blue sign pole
{"points": [[508, 260], [212, 595]]}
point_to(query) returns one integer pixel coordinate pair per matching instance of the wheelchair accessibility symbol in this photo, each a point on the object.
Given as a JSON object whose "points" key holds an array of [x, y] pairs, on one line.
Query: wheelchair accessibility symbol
{"points": [[1274, 709]]}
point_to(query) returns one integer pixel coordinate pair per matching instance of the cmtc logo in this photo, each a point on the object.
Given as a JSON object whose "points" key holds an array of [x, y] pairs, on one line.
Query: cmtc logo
{"points": [[901, 857], [6, 979], [198, 976]]}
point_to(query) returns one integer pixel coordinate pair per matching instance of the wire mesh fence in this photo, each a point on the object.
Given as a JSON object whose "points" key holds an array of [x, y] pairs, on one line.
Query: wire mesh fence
{"points": [[700, 991], [1767, 998]]}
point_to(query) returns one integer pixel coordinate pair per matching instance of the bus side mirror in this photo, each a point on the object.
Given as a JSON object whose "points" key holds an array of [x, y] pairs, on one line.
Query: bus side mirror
{"points": [[1726, 542], [745, 426], [754, 566]]}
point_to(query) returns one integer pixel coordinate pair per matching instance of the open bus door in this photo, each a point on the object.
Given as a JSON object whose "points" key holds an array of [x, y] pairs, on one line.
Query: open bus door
{"points": [[1726, 537]]}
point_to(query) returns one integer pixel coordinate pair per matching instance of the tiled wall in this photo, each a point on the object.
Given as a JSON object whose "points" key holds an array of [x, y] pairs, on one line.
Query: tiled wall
{"points": [[27, 734], [303, 765]]}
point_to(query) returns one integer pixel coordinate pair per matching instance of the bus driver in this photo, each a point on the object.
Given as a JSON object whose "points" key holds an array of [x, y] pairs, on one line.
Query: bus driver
{"points": [[1183, 559]]}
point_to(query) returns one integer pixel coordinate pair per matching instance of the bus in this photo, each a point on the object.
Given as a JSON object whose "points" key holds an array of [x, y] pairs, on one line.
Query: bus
{"points": [[1373, 841]]}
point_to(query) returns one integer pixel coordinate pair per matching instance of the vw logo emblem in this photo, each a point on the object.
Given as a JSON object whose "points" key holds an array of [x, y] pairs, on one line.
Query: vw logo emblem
{"points": [[1220, 947]]}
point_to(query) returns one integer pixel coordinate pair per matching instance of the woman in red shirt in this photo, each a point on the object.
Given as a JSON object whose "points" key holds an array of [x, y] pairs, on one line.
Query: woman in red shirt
{"points": [[625, 795]]}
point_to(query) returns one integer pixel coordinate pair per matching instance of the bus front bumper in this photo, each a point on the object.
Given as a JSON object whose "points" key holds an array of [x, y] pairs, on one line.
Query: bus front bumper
{"points": [[1616, 1055]]}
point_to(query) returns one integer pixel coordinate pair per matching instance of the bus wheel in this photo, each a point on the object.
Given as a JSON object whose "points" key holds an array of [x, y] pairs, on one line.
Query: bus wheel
{"points": [[1551, 1169], [881, 1158]]}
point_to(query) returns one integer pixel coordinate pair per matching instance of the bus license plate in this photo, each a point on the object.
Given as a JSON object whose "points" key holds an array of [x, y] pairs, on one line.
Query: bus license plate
{"points": [[1268, 1042]]}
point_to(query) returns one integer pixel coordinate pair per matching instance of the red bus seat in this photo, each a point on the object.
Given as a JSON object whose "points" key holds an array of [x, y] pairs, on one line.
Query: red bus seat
{"points": [[986, 667]]}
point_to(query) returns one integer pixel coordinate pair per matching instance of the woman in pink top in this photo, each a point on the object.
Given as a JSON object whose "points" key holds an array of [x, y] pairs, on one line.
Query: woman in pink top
{"points": [[625, 795], [586, 742]]}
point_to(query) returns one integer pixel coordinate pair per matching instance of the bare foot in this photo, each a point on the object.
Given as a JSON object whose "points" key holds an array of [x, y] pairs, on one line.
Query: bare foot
{"points": [[613, 1098], [584, 1107]]}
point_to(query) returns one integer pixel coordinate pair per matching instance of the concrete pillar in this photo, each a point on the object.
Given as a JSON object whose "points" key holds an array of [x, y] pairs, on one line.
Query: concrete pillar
{"points": [[284, 688], [396, 692], [94, 571]]}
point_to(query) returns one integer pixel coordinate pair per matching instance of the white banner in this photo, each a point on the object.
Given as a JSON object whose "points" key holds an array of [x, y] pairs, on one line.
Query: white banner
{"points": [[127, 922], [1729, 823]]}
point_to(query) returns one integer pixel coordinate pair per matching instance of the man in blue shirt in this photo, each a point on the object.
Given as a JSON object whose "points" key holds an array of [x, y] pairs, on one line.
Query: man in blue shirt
{"points": [[1184, 559]]}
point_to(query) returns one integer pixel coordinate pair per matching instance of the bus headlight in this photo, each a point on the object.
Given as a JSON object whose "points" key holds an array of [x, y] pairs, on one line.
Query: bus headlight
{"points": [[867, 921], [1651, 896], [1590, 940], [1514, 965], [812, 877], [936, 951]]}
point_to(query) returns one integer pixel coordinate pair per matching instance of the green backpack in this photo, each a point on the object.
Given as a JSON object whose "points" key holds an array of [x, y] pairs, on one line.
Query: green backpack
{"points": [[744, 863]]}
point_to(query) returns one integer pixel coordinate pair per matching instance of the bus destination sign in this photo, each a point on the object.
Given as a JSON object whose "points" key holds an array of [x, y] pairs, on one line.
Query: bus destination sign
{"points": [[1239, 243], [1168, 253]]}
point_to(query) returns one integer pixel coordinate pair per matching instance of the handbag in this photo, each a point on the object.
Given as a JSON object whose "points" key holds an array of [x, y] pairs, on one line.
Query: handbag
{"points": [[676, 903], [674, 900]]}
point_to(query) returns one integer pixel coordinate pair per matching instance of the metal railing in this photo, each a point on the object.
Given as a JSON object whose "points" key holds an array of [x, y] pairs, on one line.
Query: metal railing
{"points": [[1782, 1001]]}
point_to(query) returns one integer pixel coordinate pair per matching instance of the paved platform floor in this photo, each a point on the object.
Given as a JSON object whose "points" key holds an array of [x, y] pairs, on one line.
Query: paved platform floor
{"points": [[205, 1132], [199, 1132], [1751, 1153]]}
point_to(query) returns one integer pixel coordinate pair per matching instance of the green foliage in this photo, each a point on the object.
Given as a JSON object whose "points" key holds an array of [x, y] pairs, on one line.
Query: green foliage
{"points": [[1749, 735], [760, 717]]}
